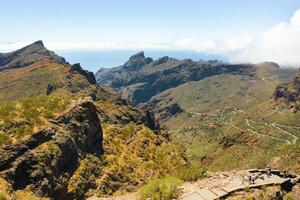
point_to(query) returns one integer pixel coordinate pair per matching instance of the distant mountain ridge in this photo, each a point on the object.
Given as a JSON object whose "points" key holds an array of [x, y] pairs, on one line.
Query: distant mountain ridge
{"points": [[28, 55], [140, 77]]}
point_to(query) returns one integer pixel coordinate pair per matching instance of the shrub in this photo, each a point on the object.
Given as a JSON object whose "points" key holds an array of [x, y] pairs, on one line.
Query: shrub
{"points": [[4, 139], [288, 197], [192, 173], [160, 189], [19, 118], [2, 195], [84, 177]]}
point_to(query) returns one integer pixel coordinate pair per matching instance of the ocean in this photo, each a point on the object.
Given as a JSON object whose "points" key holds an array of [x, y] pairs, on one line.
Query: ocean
{"points": [[94, 60]]}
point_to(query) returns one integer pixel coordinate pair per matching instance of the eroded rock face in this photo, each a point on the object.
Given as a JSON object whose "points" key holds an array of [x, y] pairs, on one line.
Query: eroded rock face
{"points": [[89, 75], [45, 162], [289, 92], [136, 61]]}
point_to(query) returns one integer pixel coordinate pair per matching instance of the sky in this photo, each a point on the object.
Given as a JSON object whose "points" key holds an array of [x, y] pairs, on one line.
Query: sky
{"points": [[240, 30]]}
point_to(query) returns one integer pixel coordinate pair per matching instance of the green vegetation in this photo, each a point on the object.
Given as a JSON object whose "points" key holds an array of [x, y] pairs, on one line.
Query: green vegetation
{"points": [[160, 189], [222, 140], [7, 193], [21, 117], [288, 197], [85, 176], [135, 155], [191, 173], [29, 81]]}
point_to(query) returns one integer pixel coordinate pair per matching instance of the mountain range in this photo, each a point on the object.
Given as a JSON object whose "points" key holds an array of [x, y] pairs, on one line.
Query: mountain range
{"points": [[63, 136], [225, 116], [66, 133]]}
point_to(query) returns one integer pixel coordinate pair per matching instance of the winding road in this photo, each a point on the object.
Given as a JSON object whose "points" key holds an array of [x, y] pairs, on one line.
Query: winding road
{"points": [[250, 129]]}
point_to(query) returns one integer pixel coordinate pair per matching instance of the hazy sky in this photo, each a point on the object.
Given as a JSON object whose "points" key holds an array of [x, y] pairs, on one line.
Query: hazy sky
{"points": [[235, 28]]}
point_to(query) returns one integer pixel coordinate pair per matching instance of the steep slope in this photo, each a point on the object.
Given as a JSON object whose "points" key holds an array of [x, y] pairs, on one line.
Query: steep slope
{"points": [[224, 91], [28, 55], [52, 143], [40, 72], [169, 86], [289, 92], [223, 115], [265, 133], [44, 162]]}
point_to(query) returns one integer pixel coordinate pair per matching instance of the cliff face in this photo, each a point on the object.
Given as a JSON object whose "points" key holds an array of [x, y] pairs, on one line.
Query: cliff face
{"points": [[47, 159], [289, 92]]}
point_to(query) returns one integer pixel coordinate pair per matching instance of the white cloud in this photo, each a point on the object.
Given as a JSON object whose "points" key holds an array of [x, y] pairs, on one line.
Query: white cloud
{"points": [[212, 46], [280, 44]]}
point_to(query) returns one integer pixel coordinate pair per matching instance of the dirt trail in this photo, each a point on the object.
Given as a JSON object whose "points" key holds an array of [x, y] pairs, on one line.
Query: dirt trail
{"points": [[277, 126], [295, 138], [251, 129], [256, 133], [275, 138]]}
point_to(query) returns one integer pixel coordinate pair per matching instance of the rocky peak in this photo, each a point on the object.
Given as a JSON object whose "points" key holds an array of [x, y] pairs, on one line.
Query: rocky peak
{"points": [[136, 61], [37, 44], [161, 60], [28, 55], [89, 75], [138, 55], [36, 47]]}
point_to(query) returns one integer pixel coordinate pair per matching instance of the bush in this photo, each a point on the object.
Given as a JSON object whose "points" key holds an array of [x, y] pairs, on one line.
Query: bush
{"points": [[2, 195], [4, 139], [192, 173], [288, 197], [19, 118], [160, 189], [84, 177]]}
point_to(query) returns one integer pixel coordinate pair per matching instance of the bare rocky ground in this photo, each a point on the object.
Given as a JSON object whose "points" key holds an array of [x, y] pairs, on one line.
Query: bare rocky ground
{"points": [[231, 185]]}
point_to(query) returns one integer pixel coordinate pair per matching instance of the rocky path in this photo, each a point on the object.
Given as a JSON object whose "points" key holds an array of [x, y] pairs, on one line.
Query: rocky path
{"points": [[217, 185], [220, 185]]}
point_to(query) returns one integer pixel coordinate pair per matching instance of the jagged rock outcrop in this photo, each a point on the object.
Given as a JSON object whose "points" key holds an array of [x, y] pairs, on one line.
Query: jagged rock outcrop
{"points": [[28, 55], [146, 78], [137, 61], [89, 75], [289, 92], [44, 162]]}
